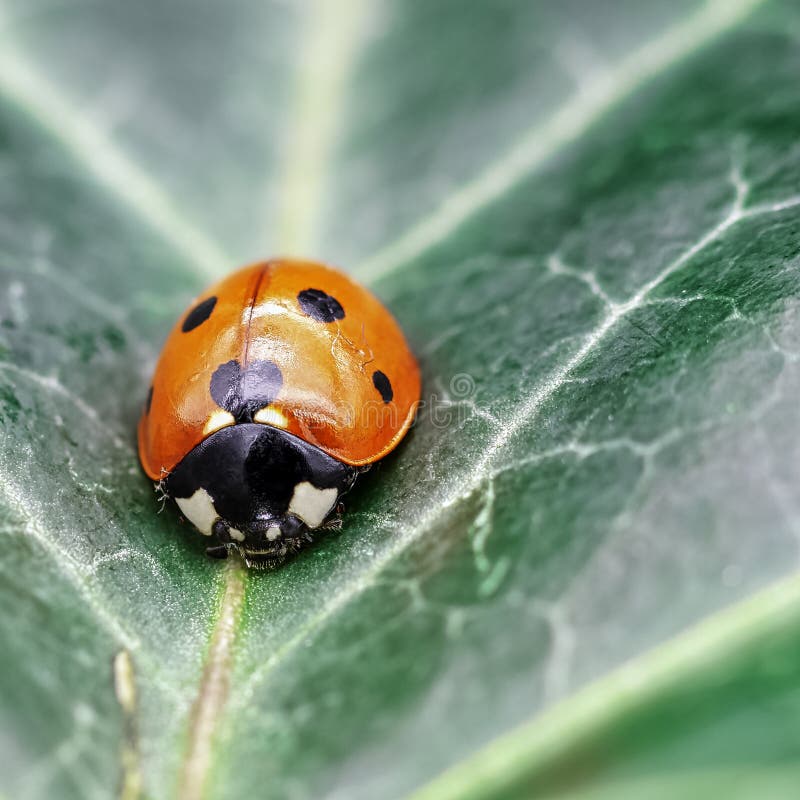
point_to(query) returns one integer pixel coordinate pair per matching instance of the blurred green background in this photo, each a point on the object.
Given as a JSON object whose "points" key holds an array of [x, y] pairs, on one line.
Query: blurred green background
{"points": [[577, 578]]}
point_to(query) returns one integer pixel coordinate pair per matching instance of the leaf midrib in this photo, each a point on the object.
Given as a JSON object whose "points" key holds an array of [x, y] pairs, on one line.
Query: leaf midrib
{"points": [[301, 198], [214, 684]]}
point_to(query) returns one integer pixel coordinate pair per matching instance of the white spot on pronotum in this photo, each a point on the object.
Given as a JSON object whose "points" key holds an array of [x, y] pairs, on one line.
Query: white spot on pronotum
{"points": [[273, 532], [199, 510], [312, 505], [236, 535]]}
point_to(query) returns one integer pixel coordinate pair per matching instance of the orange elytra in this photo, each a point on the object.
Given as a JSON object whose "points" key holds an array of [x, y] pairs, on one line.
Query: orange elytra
{"points": [[274, 390]]}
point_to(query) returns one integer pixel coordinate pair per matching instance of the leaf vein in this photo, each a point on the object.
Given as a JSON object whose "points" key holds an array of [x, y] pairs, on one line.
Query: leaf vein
{"points": [[466, 485], [72, 567], [329, 48], [55, 387], [94, 148], [539, 144]]}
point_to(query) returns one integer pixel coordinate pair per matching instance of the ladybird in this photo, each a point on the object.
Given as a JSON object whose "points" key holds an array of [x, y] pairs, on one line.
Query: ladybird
{"points": [[274, 391]]}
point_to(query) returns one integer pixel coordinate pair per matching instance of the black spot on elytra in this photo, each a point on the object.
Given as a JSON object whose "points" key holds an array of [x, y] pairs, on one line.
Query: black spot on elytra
{"points": [[383, 385], [199, 314], [149, 402], [243, 393], [320, 305]]}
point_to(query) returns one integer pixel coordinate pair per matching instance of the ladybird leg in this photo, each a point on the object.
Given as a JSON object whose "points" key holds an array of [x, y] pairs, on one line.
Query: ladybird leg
{"points": [[220, 551], [222, 531], [334, 523], [160, 488]]}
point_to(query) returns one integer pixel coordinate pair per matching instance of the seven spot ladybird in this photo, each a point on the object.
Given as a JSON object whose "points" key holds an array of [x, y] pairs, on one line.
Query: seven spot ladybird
{"points": [[273, 392]]}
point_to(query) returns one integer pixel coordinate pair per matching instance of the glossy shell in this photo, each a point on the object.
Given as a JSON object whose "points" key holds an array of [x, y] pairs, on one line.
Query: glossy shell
{"points": [[322, 357]]}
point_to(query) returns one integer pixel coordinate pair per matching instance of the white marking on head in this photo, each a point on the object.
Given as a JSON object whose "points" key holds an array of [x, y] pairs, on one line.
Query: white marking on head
{"points": [[273, 532], [312, 505], [199, 510], [236, 535]]}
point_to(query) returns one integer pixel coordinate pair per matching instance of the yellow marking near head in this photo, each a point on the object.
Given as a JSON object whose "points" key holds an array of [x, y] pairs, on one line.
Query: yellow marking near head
{"points": [[271, 416], [217, 421]]}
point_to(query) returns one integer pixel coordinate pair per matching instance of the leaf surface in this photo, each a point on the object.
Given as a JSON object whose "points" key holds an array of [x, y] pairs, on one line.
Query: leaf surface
{"points": [[585, 216]]}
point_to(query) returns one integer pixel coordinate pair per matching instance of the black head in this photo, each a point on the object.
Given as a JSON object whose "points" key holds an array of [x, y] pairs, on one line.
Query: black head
{"points": [[258, 489]]}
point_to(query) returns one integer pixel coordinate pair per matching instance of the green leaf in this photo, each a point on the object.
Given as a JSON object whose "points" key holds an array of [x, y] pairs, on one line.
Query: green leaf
{"points": [[578, 576]]}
